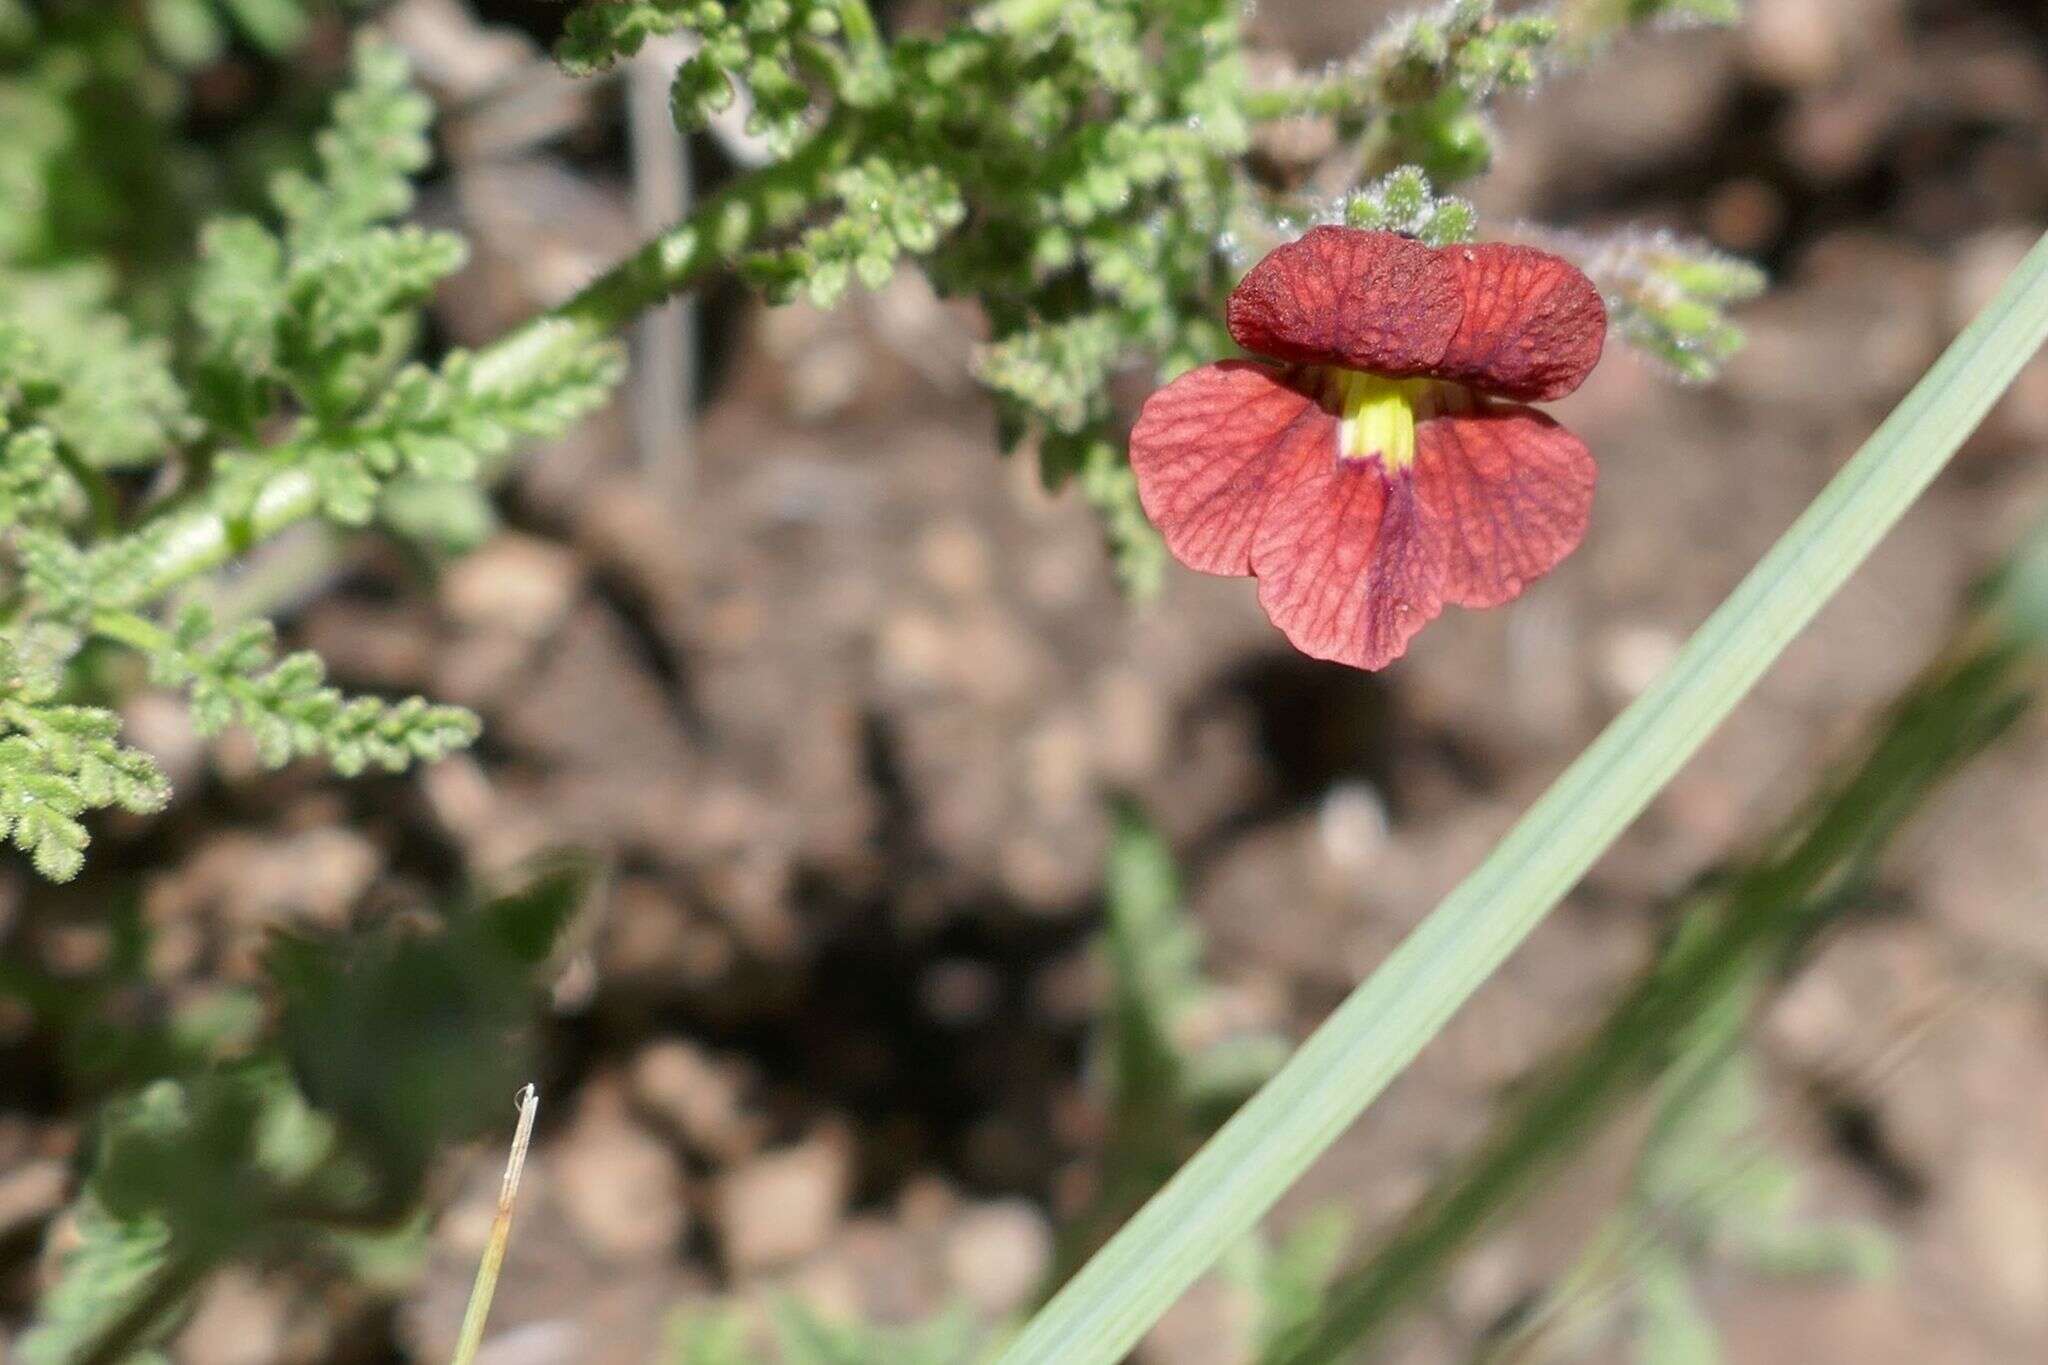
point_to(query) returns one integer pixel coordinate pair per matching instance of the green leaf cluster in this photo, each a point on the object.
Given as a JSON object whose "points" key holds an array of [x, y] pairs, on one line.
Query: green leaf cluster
{"points": [[238, 1128], [112, 399], [288, 348], [1709, 1190], [1403, 201], [1669, 298], [58, 760], [286, 705], [325, 309], [768, 52], [193, 33]]}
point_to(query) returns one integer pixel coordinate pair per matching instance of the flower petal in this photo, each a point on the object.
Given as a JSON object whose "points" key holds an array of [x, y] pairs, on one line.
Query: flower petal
{"points": [[1349, 566], [1533, 324], [1212, 448], [1368, 300], [1508, 491]]}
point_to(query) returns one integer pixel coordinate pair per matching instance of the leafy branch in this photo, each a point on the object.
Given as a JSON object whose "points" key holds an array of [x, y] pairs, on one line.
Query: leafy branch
{"points": [[285, 704]]}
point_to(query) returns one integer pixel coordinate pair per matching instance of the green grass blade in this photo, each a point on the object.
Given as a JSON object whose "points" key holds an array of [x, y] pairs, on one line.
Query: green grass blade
{"points": [[1231, 1183]]}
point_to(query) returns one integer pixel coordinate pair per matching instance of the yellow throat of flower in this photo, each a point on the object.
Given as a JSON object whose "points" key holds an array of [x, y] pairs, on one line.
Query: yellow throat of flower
{"points": [[1378, 416]]}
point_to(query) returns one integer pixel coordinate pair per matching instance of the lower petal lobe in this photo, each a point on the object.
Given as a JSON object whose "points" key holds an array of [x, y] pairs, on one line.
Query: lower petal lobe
{"points": [[1509, 492], [1214, 447], [1349, 565]]}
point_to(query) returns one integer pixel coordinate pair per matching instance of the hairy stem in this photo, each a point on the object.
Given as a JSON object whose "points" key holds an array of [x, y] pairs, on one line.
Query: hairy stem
{"points": [[193, 538]]}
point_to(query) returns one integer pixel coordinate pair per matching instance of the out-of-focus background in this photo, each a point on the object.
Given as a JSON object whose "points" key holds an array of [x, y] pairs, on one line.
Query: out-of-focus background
{"points": [[840, 697]]}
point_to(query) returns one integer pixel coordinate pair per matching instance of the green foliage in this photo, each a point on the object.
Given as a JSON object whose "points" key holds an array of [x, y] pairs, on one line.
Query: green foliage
{"points": [[765, 51], [59, 761], [1465, 46], [1669, 298], [193, 33], [885, 212], [319, 1116], [1287, 1281], [185, 1173], [808, 1339], [236, 678], [1708, 1189], [111, 397], [327, 310], [365, 157], [407, 1042], [304, 328], [1418, 92], [1164, 1087], [1148, 1063], [111, 1270], [34, 485], [1403, 201], [715, 1335], [443, 424], [1592, 21], [1135, 548]]}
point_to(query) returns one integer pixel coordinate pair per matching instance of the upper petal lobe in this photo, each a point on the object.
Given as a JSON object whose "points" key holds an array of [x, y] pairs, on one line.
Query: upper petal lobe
{"points": [[1532, 325], [1212, 448], [1349, 566], [1509, 492], [1344, 296]]}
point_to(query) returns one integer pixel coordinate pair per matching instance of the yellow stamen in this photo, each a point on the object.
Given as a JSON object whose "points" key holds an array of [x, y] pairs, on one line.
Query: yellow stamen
{"points": [[1378, 416]]}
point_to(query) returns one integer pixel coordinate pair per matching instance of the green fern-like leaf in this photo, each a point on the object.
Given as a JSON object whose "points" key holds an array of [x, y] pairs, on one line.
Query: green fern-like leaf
{"points": [[34, 485], [58, 762], [182, 1176], [286, 704], [771, 49], [112, 398], [238, 301], [443, 424], [366, 158]]}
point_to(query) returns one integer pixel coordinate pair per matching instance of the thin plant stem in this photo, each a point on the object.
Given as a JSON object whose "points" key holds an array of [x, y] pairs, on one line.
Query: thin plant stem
{"points": [[472, 1337], [1221, 1194]]}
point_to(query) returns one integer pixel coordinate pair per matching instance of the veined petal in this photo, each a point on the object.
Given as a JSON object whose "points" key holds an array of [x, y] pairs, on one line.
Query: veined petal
{"points": [[1344, 296], [1349, 566], [1214, 447], [1508, 492], [1532, 325]]}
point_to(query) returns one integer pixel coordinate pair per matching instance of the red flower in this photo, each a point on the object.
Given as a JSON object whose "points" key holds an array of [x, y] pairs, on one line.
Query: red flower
{"points": [[1375, 473]]}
